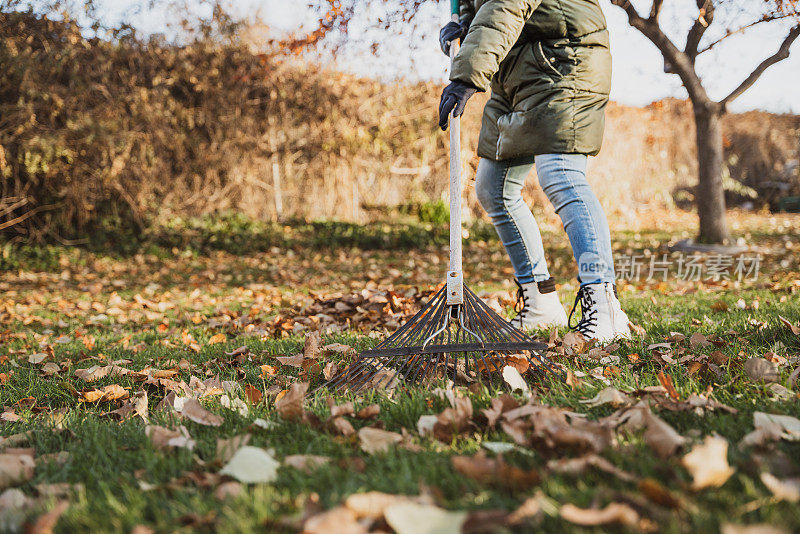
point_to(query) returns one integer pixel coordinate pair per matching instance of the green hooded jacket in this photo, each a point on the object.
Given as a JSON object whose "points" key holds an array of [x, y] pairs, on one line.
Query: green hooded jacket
{"points": [[548, 65]]}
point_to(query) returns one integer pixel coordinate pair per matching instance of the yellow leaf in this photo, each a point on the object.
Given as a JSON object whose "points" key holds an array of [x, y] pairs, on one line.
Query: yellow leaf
{"points": [[217, 338]]}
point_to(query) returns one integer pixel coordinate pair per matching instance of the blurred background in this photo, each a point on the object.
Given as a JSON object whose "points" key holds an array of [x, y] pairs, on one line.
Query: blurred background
{"points": [[125, 120]]}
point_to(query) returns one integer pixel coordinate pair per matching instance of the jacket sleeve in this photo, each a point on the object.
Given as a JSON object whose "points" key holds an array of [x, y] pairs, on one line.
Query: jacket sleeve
{"points": [[494, 30]]}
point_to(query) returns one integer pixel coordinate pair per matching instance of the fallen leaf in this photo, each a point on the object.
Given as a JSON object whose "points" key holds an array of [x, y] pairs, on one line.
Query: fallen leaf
{"points": [[166, 438], [369, 412], [136, 406], [290, 405], [16, 468], [194, 411], [412, 518], [577, 466], [772, 427], [609, 395], [226, 448], [698, 340], [253, 394], [343, 426], [761, 370], [530, 509], [495, 472], [228, 490], [97, 372], [514, 380], [306, 462], [669, 385], [291, 361], [373, 504], [46, 523], [340, 520], [311, 346], [426, 423], [795, 329], [217, 338], [108, 393], [375, 440], [708, 463], [784, 490], [614, 513], [252, 465]]}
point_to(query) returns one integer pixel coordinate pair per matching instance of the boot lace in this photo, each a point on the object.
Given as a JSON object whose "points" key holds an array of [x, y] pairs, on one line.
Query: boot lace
{"points": [[588, 321], [521, 306]]}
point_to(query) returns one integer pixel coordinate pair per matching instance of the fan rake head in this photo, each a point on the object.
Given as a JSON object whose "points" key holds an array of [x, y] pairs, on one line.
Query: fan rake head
{"points": [[443, 342]]}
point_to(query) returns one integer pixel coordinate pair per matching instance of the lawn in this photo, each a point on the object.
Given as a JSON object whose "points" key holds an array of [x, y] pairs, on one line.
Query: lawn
{"points": [[161, 390]]}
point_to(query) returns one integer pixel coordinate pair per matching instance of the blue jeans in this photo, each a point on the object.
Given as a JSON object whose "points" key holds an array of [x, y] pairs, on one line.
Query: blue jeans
{"points": [[563, 179]]}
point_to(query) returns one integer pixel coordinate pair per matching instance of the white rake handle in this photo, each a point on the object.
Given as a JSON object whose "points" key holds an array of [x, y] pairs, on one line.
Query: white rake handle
{"points": [[455, 277]]}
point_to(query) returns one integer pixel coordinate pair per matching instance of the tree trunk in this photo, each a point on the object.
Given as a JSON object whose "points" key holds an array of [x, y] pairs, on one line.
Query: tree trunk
{"points": [[710, 193]]}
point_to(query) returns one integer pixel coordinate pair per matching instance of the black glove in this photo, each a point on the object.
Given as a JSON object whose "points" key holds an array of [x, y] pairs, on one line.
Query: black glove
{"points": [[450, 33], [454, 100]]}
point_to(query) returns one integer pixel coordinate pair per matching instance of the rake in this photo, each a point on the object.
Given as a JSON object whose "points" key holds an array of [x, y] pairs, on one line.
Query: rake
{"points": [[456, 334]]}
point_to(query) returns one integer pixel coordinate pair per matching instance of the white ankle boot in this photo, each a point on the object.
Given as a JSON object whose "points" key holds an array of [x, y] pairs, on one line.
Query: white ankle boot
{"points": [[602, 317], [538, 306]]}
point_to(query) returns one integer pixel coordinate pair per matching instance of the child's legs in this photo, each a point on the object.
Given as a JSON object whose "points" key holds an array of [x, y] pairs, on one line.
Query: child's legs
{"points": [[563, 179], [499, 189]]}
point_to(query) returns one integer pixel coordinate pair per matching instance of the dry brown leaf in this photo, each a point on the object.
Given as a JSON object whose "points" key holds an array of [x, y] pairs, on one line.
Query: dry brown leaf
{"points": [[136, 406], [794, 328], [340, 520], [495, 472], [653, 490], [46, 523], [228, 490], [783, 489], [290, 405], [373, 504], [311, 346], [698, 340], [413, 518], [614, 513], [669, 385], [292, 361], [107, 393], [226, 448], [306, 462], [268, 371], [708, 463], [369, 412], [16, 467], [217, 338], [375, 440], [609, 395], [165, 438], [577, 466], [194, 411], [574, 343], [771, 427], [253, 394], [339, 348], [761, 370], [339, 410], [343, 426], [530, 509]]}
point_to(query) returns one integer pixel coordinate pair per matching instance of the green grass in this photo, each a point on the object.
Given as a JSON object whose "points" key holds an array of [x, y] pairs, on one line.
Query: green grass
{"points": [[125, 482]]}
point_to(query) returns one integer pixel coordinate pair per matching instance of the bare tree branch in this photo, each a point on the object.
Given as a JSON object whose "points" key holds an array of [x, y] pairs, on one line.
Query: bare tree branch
{"points": [[655, 10], [780, 55], [705, 18], [729, 33], [678, 60]]}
